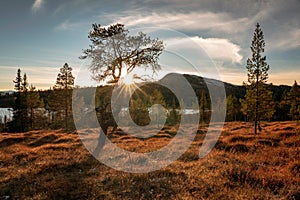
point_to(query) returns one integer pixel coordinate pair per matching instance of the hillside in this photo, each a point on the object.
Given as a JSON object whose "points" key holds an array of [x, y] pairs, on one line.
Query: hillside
{"points": [[198, 84], [55, 165]]}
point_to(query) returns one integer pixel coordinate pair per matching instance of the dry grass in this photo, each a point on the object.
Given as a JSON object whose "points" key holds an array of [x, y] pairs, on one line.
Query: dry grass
{"points": [[55, 165]]}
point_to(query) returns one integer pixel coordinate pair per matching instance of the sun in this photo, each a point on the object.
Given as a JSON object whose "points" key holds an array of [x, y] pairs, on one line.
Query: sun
{"points": [[128, 80]]}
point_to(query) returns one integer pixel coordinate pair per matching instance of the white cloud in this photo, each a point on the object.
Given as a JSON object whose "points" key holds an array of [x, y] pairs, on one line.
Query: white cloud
{"points": [[68, 25], [37, 5], [220, 22], [217, 48]]}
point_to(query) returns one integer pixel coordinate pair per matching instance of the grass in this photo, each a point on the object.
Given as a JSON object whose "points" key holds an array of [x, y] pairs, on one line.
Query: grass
{"points": [[55, 165]]}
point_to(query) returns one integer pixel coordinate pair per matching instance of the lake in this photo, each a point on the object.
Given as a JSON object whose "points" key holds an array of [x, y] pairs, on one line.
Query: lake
{"points": [[5, 112]]}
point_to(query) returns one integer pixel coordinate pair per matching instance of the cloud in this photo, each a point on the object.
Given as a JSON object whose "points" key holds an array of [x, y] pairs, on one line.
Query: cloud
{"points": [[219, 22], [37, 5], [216, 48], [78, 26]]}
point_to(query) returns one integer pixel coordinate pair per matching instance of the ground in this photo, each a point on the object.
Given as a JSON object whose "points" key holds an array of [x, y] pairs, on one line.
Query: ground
{"points": [[56, 165]]}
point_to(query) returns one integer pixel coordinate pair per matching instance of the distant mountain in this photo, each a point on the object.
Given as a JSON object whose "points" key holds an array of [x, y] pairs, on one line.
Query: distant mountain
{"points": [[199, 84]]}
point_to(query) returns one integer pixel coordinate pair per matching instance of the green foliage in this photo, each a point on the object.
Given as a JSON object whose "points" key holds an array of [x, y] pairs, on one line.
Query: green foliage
{"points": [[20, 107], [204, 107], [265, 105], [233, 108], [293, 99], [34, 102]]}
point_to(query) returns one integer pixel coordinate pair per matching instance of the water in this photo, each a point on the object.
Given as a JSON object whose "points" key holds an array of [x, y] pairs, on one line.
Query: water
{"points": [[5, 112]]}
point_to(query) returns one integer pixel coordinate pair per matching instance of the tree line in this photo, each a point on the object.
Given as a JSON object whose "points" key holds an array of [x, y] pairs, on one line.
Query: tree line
{"points": [[113, 50], [32, 109]]}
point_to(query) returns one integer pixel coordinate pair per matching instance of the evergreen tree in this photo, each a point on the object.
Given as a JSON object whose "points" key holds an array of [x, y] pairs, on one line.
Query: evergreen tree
{"points": [[62, 95], [158, 113], [173, 116], [233, 108], [203, 106], [293, 99], [20, 112], [33, 101], [258, 104], [24, 104], [16, 122]]}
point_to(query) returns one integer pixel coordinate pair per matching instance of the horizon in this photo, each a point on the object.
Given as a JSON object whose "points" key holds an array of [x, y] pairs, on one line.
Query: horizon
{"points": [[54, 33], [51, 87]]}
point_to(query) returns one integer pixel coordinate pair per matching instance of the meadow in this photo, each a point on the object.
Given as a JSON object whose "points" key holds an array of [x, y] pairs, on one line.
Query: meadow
{"points": [[55, 165]]}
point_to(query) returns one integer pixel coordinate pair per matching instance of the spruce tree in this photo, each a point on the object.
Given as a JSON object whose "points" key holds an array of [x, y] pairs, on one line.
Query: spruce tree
{"points": [[233, 108], [65, 83], [34, 101], [20, 112], [258, 104], [203, 107], [293, 99]]}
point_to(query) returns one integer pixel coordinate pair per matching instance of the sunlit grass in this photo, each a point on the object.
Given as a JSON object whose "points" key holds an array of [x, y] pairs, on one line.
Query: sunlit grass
{"points": [[55, 165]]}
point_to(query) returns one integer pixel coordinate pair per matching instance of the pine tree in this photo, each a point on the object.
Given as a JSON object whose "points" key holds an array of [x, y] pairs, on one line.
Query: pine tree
{"points": [[20, 112], [34, 101], [258, 104], [173, 116], [233, 108], [65, 83], [16, 122], [24, 104], [203, 106], [293, 99], [158, 113]]}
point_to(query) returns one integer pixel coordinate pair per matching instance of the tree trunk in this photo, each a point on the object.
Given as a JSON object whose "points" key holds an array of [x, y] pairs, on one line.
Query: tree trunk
{"points": [[31, 118], [256, 104]]}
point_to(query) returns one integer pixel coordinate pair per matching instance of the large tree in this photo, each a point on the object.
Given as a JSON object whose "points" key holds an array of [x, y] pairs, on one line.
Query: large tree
{"points": [[114, 53], [257, 104]]}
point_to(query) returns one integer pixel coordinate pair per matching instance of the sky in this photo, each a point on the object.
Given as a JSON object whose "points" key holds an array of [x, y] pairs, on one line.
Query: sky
{"points": [[39, 36]]}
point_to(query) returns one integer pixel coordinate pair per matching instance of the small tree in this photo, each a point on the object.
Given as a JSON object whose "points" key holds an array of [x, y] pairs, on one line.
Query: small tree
{"points": [[20, 112], [65, 83], [258, 104], [34, 101], [233, 108], [173, 115], [293, 99], [203, 107], [158, 113]]}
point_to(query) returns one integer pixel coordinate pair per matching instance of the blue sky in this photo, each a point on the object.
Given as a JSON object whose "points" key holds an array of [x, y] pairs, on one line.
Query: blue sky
{"points": [[39, 36]]}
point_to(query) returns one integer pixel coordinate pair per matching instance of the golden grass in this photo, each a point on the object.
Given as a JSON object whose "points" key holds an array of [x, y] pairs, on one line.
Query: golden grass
{"points": [[55, 165]]}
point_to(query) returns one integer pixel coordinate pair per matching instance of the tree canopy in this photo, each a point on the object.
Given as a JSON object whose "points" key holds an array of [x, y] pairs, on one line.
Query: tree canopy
{"points": [[114, 52]]}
